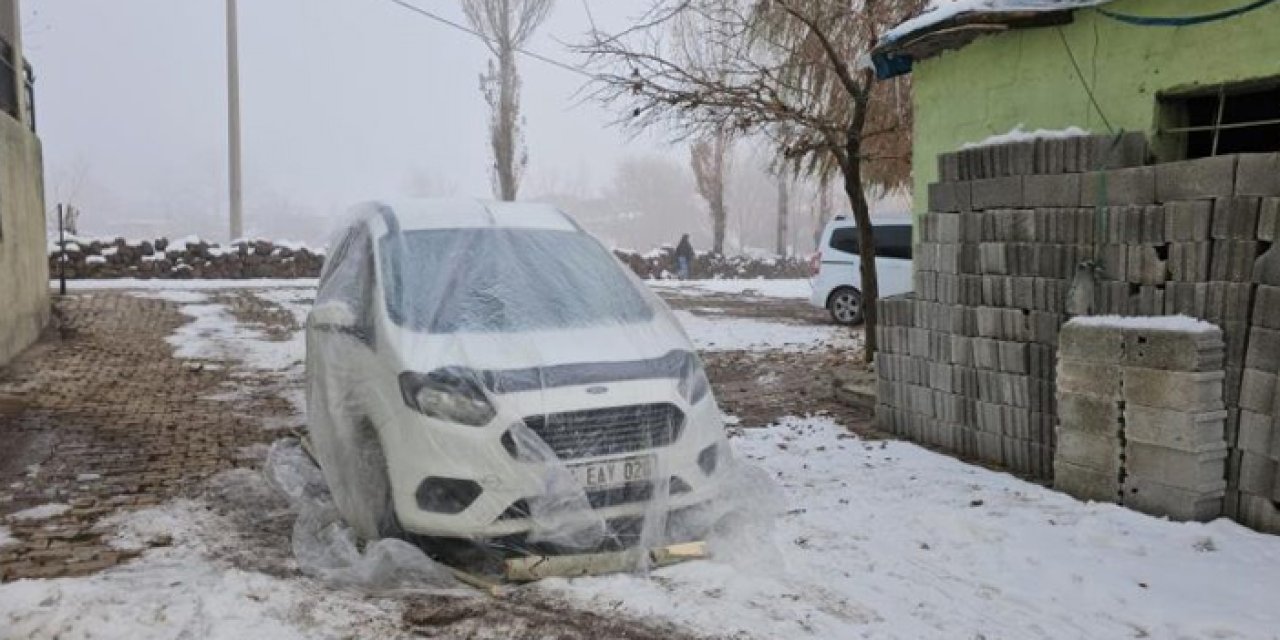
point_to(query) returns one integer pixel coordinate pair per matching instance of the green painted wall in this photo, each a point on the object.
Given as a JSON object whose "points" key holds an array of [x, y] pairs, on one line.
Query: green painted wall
{"points": [[1026, 77]]}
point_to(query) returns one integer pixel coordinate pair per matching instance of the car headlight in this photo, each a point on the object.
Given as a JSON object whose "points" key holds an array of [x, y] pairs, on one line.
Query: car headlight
{"points": [[454, 395], [694, 385]]}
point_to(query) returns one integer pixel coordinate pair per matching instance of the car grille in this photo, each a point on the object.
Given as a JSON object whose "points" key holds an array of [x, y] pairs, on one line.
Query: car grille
{"points": [[602, 432]]}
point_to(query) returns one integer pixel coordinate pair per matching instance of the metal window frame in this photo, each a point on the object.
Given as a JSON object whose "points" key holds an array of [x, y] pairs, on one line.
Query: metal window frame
{"points": [[1222, 92]]}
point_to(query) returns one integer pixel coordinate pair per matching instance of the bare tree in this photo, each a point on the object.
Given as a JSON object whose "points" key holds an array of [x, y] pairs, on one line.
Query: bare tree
{"points": [[790, 69], [506, 26], [710, 158], [784, 207]]}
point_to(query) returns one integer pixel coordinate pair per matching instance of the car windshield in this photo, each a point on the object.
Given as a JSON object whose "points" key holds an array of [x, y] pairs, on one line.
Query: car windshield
{"points": [[504, 280]]}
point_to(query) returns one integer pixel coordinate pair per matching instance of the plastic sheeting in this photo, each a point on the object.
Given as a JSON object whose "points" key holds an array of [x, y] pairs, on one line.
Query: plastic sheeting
{"points": [[490, 373], [326, 547]]}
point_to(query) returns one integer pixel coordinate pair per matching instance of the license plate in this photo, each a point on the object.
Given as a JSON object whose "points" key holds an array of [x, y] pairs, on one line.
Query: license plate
{"points": [[613, 472]]}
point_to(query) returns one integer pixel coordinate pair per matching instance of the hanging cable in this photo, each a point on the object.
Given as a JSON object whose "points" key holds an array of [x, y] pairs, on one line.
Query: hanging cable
{"points": [[1183, 21], [1084, 83], [465, 29]]}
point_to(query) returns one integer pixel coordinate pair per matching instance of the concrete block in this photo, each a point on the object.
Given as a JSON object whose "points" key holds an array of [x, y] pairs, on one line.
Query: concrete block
{"points": [[1110, 152], [1233, 260], [1131, 186], [1266, 307], [1263, 351], [1013, 357], [1235, 218], [1085, 483], [1181, 430], [1099, 380], [989, 447], [1187, 391], [1177, 503], [1174, 350], [1189, 261], [1203, 178], [950, 197], [1092, 415], [1090, 343], [1186, 469], [997, 193], [1258, 174], [1259, 512], [1255, 474], [1145, 266], [1188, 220], [1097, 452], [1051, 190], [1266, 269], [1268, 219], [1258, 391], [1255, 433], [949, 167], [1153, 225]]}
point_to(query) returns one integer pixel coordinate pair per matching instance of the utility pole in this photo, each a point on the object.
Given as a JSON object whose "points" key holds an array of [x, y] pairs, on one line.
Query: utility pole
{"points": [[233, 123]]}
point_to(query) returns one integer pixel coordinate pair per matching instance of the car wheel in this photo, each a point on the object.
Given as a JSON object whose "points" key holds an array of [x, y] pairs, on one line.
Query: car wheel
{"points": [[845, 305], [379, 514]]}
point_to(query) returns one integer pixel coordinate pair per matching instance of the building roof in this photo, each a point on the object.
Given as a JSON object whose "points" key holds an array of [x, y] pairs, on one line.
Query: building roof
{"points": [[950, 24]]}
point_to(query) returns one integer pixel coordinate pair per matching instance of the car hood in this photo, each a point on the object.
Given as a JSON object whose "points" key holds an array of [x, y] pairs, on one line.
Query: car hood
{"points": [[534, 350]]}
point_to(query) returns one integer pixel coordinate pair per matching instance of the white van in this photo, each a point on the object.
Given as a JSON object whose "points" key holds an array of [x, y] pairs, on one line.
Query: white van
{"points": [[836, 267], [480, 370]]}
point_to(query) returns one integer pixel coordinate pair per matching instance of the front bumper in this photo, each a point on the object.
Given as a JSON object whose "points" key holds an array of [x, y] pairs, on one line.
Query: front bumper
{"points": [[420, 449]]}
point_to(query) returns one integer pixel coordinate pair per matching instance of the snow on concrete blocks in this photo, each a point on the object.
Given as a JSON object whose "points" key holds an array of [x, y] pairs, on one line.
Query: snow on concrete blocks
{"points": [[1159, 425]]}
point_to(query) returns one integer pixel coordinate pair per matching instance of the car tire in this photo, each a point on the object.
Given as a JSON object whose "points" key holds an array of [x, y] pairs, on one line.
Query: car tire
{"points": [[379, 517], [845, 306]]}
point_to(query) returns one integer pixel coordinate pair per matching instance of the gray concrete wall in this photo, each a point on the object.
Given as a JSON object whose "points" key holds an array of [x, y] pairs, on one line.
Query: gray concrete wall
{"points": [[24, 272]]}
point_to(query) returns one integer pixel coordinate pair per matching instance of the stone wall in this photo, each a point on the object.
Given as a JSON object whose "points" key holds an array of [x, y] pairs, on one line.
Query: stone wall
{"points": [[968, 362], [161, 258], [24, 289]]}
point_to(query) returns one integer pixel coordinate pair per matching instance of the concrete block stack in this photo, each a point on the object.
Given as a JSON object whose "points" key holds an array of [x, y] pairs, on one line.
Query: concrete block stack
{"points": [[969, 360], [1141, 416]]}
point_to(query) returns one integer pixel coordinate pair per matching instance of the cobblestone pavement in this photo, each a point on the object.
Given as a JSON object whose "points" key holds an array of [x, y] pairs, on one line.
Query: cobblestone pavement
{"points": [[100, 416]]}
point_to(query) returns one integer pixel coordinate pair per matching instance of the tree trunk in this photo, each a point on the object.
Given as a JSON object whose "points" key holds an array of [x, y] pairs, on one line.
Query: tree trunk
{"points": [[504, 127], [824, 213], [783, 213], [719, 213], [851, 168]]}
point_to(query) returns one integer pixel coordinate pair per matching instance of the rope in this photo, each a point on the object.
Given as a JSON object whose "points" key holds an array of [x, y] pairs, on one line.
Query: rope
{"points": [[1084, 83], [1183, 21]]}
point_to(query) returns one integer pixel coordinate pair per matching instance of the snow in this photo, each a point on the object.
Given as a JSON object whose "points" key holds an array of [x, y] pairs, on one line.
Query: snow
{"points": [[1158, 323], [6, 538], [890, 540], [95, 260], [731, 334], [1018, 134], [794, 288], [190, 285], [178, 592], [41, 512], [939, 11], [110, 251]]}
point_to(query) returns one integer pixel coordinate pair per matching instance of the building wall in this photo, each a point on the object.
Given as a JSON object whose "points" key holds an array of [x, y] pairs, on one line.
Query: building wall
{"points": [[1026, 77], [24, 272]]}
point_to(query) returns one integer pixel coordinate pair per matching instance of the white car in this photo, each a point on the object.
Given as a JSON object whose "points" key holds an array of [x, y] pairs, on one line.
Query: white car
{"points": [[837, 266], [489, 370]]}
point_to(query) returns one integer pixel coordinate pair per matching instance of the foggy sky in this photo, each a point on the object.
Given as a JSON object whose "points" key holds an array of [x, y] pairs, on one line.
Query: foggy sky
{"points": [[341, 101]]}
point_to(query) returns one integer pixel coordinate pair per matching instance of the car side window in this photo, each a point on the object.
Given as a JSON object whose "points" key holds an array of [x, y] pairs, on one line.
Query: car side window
{"points": [[348, 277], [892, 241], [845, 239]]}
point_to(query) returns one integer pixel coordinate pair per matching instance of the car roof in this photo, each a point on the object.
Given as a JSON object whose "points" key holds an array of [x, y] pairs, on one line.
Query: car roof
{"points": [[894, 221], [467, 213]]}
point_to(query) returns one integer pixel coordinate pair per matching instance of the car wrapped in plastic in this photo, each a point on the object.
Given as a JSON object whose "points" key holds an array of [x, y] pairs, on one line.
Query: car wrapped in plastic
{"points": [[491, 372]]}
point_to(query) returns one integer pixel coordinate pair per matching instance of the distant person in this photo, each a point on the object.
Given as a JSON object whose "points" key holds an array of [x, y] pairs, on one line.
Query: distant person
{"points": [[684, 257]]}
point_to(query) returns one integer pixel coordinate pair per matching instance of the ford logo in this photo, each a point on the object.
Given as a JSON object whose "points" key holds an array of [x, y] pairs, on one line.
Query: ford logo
{"points": [[595, 391]]}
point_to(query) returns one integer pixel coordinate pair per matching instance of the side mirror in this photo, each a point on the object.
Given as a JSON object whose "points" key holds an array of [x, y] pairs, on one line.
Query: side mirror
{"points": [[333, 315]]}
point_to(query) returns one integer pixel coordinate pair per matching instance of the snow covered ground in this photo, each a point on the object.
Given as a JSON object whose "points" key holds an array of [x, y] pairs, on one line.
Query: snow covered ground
{"points": [[872, 539], [889, 540], [796, 288], [727, 333]]}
